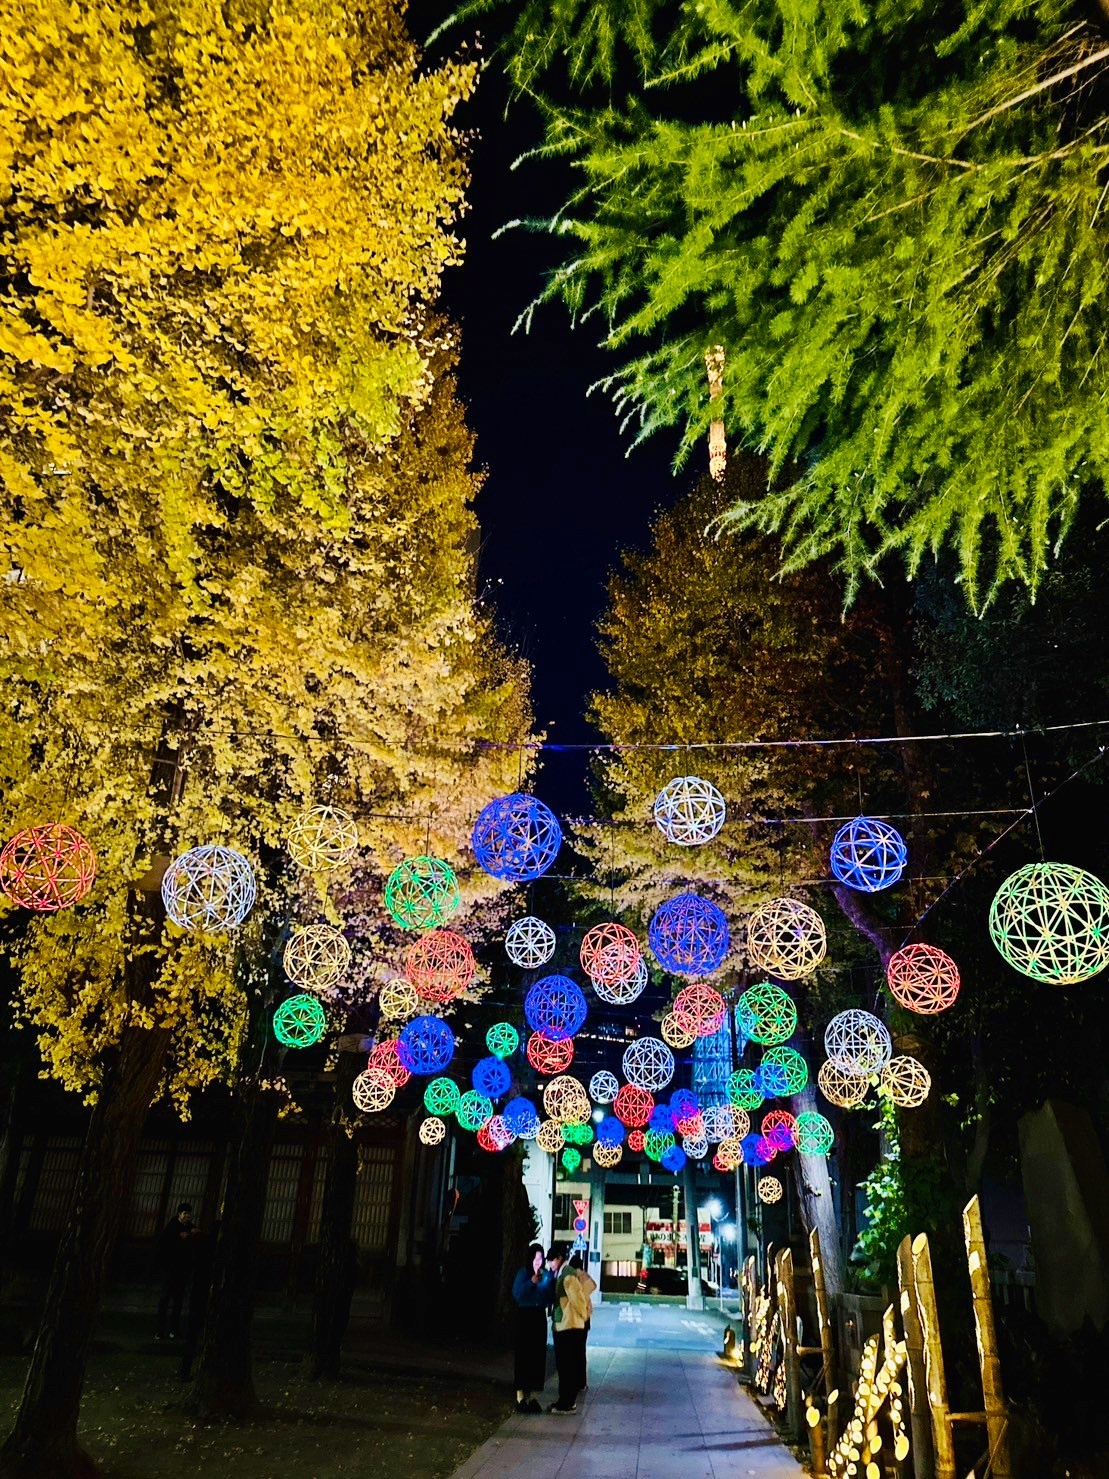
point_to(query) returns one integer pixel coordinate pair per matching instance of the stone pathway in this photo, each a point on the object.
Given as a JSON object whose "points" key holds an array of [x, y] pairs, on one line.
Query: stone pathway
{"points": [[659, 1406]]}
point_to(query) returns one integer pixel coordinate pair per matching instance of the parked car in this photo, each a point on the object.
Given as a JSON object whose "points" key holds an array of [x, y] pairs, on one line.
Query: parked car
{"points": [[666, 1281]]}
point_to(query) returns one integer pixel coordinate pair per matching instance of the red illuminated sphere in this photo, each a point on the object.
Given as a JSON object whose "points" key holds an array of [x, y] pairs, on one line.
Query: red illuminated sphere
{"points": [[723, 1162], [693, 1126], [386, 1055], [440, 965], [633, 1106], [546, 1056], [923, 979], [702, 1007], [780, 1128], [610, 954], [47, 868], [486, 1139], [635, 1141]]}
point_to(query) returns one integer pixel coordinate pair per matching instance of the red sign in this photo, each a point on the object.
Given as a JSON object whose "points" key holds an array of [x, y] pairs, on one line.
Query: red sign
{"points": [[581, 1208]]}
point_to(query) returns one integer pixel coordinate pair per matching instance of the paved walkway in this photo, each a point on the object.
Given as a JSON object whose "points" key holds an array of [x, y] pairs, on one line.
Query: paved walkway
{"points": [[659, 1406]]}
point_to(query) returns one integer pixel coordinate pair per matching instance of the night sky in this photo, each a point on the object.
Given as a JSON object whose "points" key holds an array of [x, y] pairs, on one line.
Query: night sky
{"points": [[562, 498]]}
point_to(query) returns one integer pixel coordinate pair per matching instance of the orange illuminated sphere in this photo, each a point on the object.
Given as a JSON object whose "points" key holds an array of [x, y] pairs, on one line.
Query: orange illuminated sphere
{"points": [[440, 965], [610, 954], [702, 1007], [47, 868], [546, 1056], [633, 1106], [923, 979], [385, 1055], [636, 1139]]}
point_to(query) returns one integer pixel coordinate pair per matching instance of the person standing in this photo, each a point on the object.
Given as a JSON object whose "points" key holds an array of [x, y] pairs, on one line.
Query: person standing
{"points": [[176, 1253], [572, 1310], [532, 1289]]}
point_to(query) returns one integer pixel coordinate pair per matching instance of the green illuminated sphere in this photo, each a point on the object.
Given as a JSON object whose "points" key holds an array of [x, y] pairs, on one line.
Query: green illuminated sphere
{"points": [[792, 1065], [767, 1014], [1051, 922], [571, 1159], [743, 1091], [656, 1143], [299, 1022], [502, 1039], [441, 1096], [422, 893], [578, 1134], [813, 1135], [473, 1110]]}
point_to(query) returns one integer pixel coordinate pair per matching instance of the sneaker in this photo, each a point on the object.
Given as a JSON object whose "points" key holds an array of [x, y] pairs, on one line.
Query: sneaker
{"points": [[554, 1407]]}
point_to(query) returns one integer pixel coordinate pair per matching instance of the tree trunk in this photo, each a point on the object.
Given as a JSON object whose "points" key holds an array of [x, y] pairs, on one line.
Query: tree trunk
{"points": [[225, 1374], [814, 1189], [10, 1147], [43, 1441], [335, 1273]]}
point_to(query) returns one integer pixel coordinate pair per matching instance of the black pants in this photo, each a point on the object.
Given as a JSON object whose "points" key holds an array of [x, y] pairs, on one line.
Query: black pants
{"points": [[169, 1305], [570, 1360]]}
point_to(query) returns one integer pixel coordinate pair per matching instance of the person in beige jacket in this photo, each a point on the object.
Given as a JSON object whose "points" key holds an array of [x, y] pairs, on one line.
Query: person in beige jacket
{"points": [[570, 1315]]}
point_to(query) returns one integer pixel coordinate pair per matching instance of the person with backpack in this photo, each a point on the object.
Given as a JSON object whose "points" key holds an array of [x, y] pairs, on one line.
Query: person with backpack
{"points": [[570, 1314]]}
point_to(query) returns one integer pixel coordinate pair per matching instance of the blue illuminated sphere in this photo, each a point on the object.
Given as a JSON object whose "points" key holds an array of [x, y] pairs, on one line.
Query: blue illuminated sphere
{"points": [[521, 1117], [868, 854], [754, 1150], [555, 1007], [771, 1080], [425, 1045], [610, 1131], [661, 1120], [672, 1160], [491, 1077], [516, 838], [689, 935], [684, 1105]]}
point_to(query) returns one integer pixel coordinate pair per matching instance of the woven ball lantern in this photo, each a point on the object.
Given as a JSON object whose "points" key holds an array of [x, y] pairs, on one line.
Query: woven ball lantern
{"points": [[771, 1080], [770, 1189], [386, 1056], [635, 1141], [522, 1118], [441, 1096], [716, 1127], [743, 1090], [516, 838], [923, 979], [547, 1056], [529, 943], [578, 1134], [422, 893], [780, 1128], [299, 1022], [677, 1032], [623, 993], [500, 1132], [432, 1131], [440, 965], [565, 1099], [793, 1066], [757, 1150], [858, 1042], [550, 1137], [1050, 921], [610, 954], [210, 888], [633, 1106], [502, 1039], [689, 811], [846, 1090], [486, 1141], [732, 1148], [662, 1119], [603, 1087], [648, 1063], [868, 855], [373, 1090], [689, 936], [473, 1111], [703, 1007], [684, 1105], [491, 1077], [610, 1131], [813, 1134], [47, 868], [316, 957], [323, 838], [723, 1163], [607, 1156], [398, 1000], [556, 1007], [571, 1160], [426, 1045], [786, 938], [673, 1159], [656, 1143], [696, 1147], [907, 1081], [767, 1014]]}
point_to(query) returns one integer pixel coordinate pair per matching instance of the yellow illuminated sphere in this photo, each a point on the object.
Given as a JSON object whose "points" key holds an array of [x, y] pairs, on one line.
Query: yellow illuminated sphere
{"points": [[607, 1156], [770, 1189], [907, 1081], [316, 957], [551, 1137], [432, 1131], [566, 1099], [786, 938], [844, 1089], [398, 1000], [677, 1032], [322, 838]]}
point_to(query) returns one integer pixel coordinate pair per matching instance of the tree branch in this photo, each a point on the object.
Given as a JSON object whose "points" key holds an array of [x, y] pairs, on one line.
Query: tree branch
{"points": [[861, 919]]}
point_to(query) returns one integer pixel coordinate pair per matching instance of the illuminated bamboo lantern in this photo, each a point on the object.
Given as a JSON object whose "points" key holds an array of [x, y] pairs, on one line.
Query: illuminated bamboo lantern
{"points": [[791, 1068], [770, 1189], [209, 888], [623, 993], [786, 938], [432, 1131], [474, 1110], [299, 1022], [441, 1096], [923, 979], [546, 1056], [373, 1090], [316, 957], [607, 1156], [440, 965], [47, 868], [386, 1056], [635, 1141], [422, 893], [677, 1032], [603, 1087], [858, 1042], [398, 1000], [702, 1007], [610, 954], [502, 1039], [516, 838], [743, 1089], [907, 1081], [323, 838], [689, 811], [868, 854], [551, 1137], [633, 1106], [565, 1099], [767, 1014], [529, 943], [813, 1135], [556, 1007], [840, 1088], [648, 1064], [1050, 921]]}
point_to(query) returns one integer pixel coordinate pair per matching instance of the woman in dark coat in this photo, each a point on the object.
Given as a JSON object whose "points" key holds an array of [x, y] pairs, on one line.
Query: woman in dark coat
{"points": [[531, 1289]]}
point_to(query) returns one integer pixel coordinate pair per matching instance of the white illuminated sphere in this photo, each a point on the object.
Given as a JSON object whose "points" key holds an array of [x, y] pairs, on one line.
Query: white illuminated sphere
{"points": [[648, 1064], [316, 957], [529, 943], [432, 1131], [323, 838], [620, 993], [373, 1090], [696, 1147], [689, 811], [398, 1000], [209, 888], [603, 1087], [858, 1043]]}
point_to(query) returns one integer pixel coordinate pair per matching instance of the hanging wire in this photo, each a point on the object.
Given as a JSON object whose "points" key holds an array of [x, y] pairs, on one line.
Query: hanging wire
{"points": [[1032, 795]]}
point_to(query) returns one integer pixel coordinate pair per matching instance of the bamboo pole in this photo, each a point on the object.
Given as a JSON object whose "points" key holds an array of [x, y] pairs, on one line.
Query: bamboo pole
{"points": [[997, 1418], [787, 1313], [920, 1423], [824, 1327], [718, 451], [749, 1297], [935, 1377]]}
